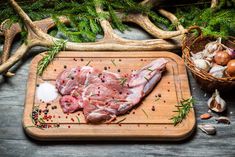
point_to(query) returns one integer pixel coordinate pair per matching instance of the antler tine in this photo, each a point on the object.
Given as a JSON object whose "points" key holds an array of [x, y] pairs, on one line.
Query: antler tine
{"points": [[172, 18], [9, 35], [27, 21], [38, 37], [214, 3], [107, 28], [147, 25]]}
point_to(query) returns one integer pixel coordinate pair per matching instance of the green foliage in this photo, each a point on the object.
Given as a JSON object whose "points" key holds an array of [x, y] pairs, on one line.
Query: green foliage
{"points": [[214, 22], [84, 19], [182, 110], [85, 26], [51, 53]]}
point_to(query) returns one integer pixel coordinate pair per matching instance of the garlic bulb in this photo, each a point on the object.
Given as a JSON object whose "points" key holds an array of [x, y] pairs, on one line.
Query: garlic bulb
{"points": [[216, 103], [202, 64], [231, 52], [214, 46], [217, 71]]}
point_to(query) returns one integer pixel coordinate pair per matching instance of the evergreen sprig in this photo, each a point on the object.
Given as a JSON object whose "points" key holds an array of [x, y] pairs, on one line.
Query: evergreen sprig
{"points": [[182, 110], [51, 53], [214, 22]]}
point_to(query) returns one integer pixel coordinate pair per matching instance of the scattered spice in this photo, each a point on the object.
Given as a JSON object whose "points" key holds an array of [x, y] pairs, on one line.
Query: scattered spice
{"points": [[74, 59], [54, 69], [153, 108], [72, 119], [65, 66], [105, 68], [82, 59], [119, 70]]}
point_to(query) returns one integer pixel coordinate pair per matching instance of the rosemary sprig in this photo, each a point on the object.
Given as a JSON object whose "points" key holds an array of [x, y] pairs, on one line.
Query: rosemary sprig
{"points": [[183, 110], [88, 62], [118, 122], [146, 79], [78, 119], [113, 61], [51, 53], [145, 113], [123, 81], [149, 69]]}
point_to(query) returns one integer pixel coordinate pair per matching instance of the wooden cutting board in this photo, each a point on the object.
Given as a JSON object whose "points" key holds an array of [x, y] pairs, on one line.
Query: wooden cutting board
{"points": [[142, 123]]}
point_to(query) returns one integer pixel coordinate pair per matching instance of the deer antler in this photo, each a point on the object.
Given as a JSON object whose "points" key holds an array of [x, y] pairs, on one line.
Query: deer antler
{"points": [[37, 35]]}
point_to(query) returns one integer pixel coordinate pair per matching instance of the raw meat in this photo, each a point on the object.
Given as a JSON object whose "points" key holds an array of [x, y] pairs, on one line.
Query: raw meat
{"points": [[103, 95]]}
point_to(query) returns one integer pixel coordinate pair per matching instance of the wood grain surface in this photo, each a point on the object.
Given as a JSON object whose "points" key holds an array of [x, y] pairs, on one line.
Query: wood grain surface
{"points": [[141, 123], [14, 142]]}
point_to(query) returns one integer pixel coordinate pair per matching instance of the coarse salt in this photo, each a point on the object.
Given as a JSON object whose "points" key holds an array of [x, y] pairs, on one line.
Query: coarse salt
{"points": [[46, 92]]}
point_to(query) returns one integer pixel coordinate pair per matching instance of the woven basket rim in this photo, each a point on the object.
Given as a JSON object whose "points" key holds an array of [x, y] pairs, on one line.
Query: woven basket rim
{"points": [[191, 66]]}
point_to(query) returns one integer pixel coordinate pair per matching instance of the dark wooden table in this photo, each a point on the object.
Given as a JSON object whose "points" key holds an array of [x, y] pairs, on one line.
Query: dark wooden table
{"points": [[14, 142]]}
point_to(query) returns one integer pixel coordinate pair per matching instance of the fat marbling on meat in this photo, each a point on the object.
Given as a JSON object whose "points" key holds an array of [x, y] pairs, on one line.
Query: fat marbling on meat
{"points": [[103, 95]]}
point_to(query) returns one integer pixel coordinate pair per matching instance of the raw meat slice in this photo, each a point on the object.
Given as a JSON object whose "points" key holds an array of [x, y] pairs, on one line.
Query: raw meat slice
{"points": [[103, 95]]}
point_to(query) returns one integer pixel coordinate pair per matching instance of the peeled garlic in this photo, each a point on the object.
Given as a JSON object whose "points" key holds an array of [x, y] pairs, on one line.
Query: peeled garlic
{"points": [[217, 71], [202, 64], [216, 103], [207, 128]]}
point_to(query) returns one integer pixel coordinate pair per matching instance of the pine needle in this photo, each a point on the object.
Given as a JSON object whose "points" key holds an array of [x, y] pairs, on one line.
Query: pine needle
{"points": [[182, 110], [51, 53]]}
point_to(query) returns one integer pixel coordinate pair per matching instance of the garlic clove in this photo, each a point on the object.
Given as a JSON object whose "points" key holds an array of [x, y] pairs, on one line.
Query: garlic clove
{"points": [[224, 120], [207, 128], [202, 64], [216, 103], [217, 71]]}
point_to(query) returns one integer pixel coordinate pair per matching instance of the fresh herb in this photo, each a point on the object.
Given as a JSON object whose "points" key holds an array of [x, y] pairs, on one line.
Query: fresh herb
{"points": [[146, 79], [88, 63], [78, 119], [149, 69], [183, 109], [145, 113], [157, 98], [122, 81], [113, 61], [121, 120], [51, 53]]}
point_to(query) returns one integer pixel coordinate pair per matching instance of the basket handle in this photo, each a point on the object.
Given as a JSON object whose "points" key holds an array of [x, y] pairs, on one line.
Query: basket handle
{"points": [[189, 30]]}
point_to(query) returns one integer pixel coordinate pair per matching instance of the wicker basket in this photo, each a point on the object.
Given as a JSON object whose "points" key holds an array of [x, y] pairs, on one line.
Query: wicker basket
{"points": [[195, 44]]}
